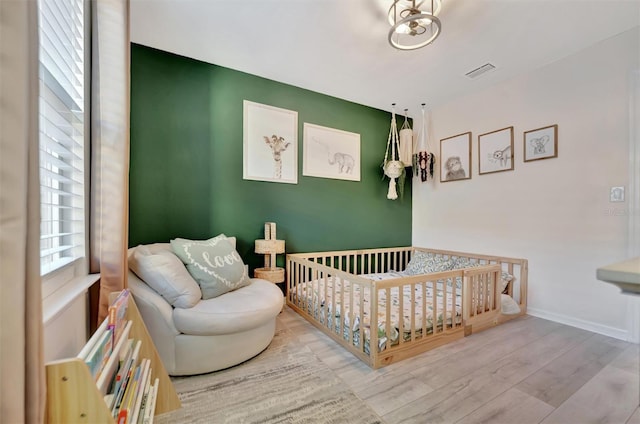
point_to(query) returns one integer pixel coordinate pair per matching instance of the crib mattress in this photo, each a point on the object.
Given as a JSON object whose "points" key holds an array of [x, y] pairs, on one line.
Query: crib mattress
{"points": [[335, 300]]}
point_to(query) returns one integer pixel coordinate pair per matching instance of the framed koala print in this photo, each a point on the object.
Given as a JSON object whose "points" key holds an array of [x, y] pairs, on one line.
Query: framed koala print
{"points": [[455, 158], [541, 143]]}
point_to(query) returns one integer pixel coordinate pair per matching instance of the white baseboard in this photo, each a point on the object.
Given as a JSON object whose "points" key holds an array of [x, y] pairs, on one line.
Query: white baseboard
{"points": [[633, 317], [616, 333]]}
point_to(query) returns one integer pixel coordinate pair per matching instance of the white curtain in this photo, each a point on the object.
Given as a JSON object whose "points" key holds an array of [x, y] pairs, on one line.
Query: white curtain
{"points": [[22, 373], [110, 76]]}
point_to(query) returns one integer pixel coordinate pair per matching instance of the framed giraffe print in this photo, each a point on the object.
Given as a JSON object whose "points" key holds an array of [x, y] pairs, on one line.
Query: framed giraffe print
{"points": [[270, 143], [330, 153]]}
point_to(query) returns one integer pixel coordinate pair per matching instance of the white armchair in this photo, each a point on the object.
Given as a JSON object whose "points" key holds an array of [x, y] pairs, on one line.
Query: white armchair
{"points": [[211, 334]]}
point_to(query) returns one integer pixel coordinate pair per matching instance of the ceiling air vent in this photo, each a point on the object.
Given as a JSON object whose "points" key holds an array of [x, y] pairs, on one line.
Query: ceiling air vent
{"points": [[481, 70]]}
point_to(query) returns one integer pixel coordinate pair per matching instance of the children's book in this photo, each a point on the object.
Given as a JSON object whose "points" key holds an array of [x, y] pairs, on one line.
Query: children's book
{"points": [[109, 374], [150, 410], [127, 378], [99, 354], [116, 314]]}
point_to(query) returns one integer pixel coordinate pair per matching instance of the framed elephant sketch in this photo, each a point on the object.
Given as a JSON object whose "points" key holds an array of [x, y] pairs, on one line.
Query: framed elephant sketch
{"points": [[270, 143], [455, 158], [330, 153]]}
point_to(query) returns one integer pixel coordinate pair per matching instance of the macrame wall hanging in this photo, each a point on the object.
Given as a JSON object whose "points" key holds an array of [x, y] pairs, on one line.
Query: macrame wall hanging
{"points": [[425, 159], [406, 141], [393, 167]]}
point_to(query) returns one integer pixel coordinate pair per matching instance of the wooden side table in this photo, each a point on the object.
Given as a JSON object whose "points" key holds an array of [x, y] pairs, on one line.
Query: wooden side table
{"points": [[270, 247]]}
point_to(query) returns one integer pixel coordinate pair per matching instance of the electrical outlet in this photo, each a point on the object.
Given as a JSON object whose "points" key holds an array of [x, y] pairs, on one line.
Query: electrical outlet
{"points": [[616, 194]]}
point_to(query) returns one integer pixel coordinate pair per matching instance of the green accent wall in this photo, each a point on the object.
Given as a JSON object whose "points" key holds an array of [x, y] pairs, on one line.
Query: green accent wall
{"points": [[186, 164]]}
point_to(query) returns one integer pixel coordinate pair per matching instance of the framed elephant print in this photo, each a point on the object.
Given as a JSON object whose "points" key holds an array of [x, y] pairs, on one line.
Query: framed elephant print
{"points": [[270, 143], [330, 153]]}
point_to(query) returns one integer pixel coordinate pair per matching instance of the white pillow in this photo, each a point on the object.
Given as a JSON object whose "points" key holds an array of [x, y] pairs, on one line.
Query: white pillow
{"points": [[506, 278], [166, 274], [509, 306]]}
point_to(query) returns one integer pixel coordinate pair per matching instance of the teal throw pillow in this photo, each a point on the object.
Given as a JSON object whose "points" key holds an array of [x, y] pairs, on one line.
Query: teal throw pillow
{"points": [[214, 264]]}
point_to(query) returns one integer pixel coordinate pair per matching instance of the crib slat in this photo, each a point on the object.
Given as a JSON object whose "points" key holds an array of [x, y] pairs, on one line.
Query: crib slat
{"points": [[487, 288], [334, 281], [444, 305], [476, 285], [316, 307], [466, 299], [324, 278], [483, 286], [352, 315], [343, 316], [479, 298], [388, 316], [510, 285], [413, 312], [424, 309], [401, 314], [361, 325], [434, 317], [373, 324], [454, 302], [298, 277], [491, 291]]}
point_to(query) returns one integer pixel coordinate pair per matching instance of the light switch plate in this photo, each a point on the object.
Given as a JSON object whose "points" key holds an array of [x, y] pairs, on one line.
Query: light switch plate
{"points": [[616, 194]]}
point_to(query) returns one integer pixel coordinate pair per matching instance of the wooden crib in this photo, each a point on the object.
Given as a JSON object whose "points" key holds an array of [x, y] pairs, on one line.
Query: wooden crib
{"points": [[340, 292]]}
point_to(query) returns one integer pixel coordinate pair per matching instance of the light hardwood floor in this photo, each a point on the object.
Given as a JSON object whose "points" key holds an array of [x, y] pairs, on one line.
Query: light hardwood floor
{"points": [[528, 370]]}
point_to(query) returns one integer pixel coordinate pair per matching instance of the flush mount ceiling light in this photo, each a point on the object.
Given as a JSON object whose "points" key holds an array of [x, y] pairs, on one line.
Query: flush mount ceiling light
{"points": [[414, 24]]}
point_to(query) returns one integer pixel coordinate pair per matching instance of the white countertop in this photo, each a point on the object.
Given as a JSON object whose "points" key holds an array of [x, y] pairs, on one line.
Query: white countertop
{"points": [[625, 275]]}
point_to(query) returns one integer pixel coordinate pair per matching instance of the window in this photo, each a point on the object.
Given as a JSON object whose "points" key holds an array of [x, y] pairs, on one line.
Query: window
{"points": [[62, 133]]}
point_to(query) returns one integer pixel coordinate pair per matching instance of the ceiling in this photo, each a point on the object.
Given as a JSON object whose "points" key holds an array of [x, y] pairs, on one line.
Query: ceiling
{"points": [[340, 48]]}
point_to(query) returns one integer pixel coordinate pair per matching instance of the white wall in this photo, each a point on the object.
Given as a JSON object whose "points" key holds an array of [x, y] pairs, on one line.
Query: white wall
{"points": [[66, 333], [554, 212]]}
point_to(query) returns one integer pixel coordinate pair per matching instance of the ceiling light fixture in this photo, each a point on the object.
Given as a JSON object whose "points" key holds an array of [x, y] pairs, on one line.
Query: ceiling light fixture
{"points": [[414, 24]]}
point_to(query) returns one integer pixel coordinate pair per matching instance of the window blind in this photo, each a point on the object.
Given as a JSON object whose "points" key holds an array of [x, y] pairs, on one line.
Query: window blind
{"points": [[62, 132]]}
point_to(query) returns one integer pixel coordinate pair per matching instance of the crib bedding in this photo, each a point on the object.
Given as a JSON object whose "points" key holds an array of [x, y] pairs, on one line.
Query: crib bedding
{"points": [[321, 299]]}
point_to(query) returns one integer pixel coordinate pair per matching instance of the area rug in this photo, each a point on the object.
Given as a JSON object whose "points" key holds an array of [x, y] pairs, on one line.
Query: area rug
{"points": [[286, 383]]}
